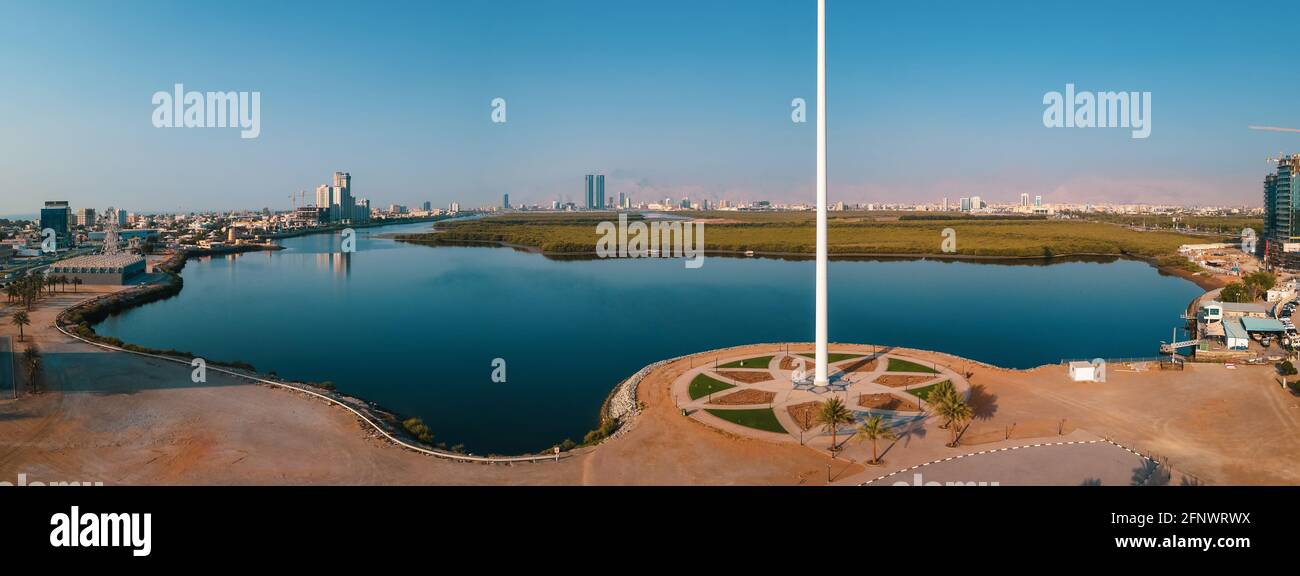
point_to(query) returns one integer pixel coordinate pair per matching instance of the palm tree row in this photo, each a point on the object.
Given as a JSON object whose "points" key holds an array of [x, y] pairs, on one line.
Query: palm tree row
{"points": [[28, 289]]}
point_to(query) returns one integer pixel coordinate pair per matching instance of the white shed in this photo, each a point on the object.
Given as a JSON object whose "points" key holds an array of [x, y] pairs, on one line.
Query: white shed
{"points": [[1083, 372]]}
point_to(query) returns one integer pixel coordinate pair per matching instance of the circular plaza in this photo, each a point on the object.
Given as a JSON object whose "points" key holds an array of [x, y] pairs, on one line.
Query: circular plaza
{"points": [[771, 397]]}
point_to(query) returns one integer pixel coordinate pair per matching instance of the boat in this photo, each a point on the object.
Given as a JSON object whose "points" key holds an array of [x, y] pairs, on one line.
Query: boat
{"points": [[749, 253]]}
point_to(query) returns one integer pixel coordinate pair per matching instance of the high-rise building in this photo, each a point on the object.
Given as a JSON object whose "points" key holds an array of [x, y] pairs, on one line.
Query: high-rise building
{"points": [[505, 201], [1281, 226], [1024, 199], [590, 203], [57, 216], [454, 207], [1038, 201], [336, 199], [600, 191], [622, 200], [86, 217], [427, 206], [965, 204], [976, 203]]}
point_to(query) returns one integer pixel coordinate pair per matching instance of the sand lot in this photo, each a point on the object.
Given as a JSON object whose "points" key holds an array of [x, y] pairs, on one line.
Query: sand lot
{"points": [[124, 419]]}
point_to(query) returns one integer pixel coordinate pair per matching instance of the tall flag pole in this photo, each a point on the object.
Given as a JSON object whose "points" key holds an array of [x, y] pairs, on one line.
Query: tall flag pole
{"points": [[821, 379]]}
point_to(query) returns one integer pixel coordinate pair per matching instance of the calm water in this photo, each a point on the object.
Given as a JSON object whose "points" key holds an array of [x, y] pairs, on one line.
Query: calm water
{"points": [[416, 328]]}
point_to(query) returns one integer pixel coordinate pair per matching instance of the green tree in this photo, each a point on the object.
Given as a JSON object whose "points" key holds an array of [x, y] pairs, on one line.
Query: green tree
{"points": [[76, 281], [1257, 283], [20, 319], [1235, 292], [873, 429], [831, 414]]}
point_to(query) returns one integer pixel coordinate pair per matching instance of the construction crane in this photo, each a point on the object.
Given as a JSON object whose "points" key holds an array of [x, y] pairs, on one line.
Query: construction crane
{"points": [[1282, 157]]}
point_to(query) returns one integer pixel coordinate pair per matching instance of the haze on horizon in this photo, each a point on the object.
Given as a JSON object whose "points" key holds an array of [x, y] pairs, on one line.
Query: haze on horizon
{"points": [[670, 98]]}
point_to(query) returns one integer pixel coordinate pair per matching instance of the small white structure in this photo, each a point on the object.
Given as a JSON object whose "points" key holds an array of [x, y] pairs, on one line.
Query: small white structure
{"points": [[1083, 372], [1281, 292]]}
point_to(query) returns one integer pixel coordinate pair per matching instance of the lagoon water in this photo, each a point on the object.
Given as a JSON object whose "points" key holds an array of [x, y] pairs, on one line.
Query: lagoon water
{"points": [[416, 328]]}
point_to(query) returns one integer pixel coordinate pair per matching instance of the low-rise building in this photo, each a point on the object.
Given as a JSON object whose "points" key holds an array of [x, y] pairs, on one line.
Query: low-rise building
{"points": [[103, 269]]}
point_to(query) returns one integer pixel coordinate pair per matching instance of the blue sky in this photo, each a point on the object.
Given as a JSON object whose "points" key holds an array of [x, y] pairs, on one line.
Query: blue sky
{"points": [[669, 98]]}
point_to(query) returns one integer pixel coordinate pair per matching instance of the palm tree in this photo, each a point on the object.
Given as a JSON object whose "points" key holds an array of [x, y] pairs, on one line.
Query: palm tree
{"points": [[76, 281], [942, 393], [831, 415], [32, 363], [956, 411], [873, 429], [20, 319], [11, 291]]}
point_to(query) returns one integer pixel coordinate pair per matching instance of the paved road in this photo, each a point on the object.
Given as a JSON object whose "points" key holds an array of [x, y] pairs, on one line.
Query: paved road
{"points": [[6, 367]]}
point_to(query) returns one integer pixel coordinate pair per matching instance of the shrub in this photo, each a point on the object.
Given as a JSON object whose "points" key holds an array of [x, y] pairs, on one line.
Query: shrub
{"points": [[607, 428], [1286, 368], [418, 429]]}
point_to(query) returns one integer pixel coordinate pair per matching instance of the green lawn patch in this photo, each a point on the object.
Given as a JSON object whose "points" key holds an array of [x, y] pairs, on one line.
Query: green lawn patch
{"points": [[760, 362], [896, 365], [703, 385], [924, 391], [833, 357], [758, 419]]}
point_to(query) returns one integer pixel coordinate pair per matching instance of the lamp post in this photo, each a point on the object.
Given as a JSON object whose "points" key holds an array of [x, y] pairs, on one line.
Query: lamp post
{"points": [[820, 377]]}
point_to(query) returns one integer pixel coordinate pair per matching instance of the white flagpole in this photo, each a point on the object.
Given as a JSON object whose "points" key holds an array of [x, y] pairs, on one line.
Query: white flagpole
{"points": [[821, 379]]}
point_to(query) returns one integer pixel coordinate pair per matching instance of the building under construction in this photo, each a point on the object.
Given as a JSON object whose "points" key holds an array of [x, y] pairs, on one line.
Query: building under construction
{"points": [[1281, 241]]}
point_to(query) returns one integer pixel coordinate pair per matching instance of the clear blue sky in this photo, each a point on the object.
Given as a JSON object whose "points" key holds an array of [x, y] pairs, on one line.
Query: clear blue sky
{"points": [[667, 97]]}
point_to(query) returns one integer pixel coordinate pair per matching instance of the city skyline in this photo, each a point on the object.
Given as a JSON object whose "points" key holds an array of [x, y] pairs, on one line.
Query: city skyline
{"points": [[694, 102]]}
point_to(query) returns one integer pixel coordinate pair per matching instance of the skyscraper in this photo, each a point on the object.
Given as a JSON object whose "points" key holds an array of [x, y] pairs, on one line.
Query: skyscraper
{"points": [[590, 204], [1024, 199], [56, 216], [600, 191], [505, 201], [1038, 201], [1281, 226], [336, 199]]}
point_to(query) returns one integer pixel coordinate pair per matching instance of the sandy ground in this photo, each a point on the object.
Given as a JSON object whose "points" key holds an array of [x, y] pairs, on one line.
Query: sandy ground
{"points": [[123, 419], [1214, 425]]}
